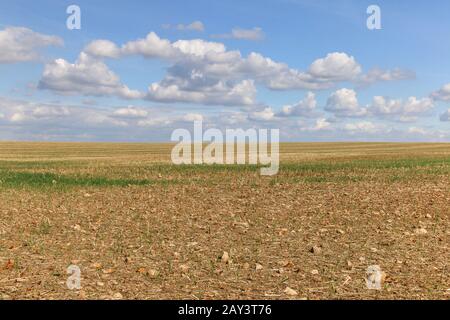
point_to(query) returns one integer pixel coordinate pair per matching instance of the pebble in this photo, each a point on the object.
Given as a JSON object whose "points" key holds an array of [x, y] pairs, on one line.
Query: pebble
{"points": [[315, 250], [420, 231], [225, 257], [290, 292], [118, 296]]}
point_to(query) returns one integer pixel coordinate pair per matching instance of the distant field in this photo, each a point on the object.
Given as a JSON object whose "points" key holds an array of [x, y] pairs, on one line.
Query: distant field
{"points": [[140, 227]]}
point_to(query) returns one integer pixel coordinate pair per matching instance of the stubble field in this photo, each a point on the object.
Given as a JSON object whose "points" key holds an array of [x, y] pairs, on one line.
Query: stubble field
{"points": [[139, 227]]}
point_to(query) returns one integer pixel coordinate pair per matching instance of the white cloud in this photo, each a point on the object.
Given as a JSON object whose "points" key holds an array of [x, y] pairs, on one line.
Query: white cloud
{"points": [[234, 118], [150, 47], [198, 47], [215, 63], [383, 106], [19, 44], [18, 117], [253, 34], [220, 93], [103, 48], [417, 106], [305, 107], [190, 117], [380, 75], [53, 116], [25, 120], [87, 76], [130, 112], [337, 66], [321, 124], [417, 130], [363, 127], [155, 122], [194, 26], [105, 120], [266, 114], [442, 94], [430, 135], [274, 75], [200, 72], [344, 102], [248, 34]]}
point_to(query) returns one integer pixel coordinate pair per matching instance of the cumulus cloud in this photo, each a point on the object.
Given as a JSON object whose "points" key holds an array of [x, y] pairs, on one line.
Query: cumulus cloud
{"points": [[266, 114], [411, 107], [200, 48], [103, 48], [337, 66], [17, 111], [19, 44], [87, 76], [344, 103], [24, 120], [150, 47], [272, 74], [321, 124], [199, 71], [213, 61], [442, 94], [253, 34], [220, 93], [305, 107], [414, 105]]}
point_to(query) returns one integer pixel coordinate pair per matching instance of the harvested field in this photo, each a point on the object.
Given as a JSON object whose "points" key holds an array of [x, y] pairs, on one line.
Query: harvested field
{"points": [[141, 228]]}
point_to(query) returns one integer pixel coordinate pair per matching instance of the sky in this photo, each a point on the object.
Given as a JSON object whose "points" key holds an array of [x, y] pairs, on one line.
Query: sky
{"points": [[138, 70]]}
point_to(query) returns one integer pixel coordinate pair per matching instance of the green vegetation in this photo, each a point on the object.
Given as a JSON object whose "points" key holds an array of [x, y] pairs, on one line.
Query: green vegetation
{"points": [[14, 179], [61, 175]]}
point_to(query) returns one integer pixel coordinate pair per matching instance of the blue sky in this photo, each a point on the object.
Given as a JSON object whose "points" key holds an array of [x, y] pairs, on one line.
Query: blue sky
{"points": [[310, 68]]}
